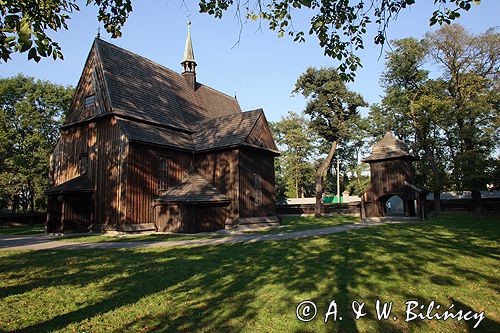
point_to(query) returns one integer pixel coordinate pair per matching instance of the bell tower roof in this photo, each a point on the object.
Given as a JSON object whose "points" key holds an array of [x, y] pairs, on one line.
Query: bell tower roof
{"points": [[388, 148]]}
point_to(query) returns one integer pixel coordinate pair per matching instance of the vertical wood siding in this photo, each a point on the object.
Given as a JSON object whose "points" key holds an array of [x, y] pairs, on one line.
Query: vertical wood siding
{"points": [[104, 145], [91, 83], [221, 169], [108, 162], [143, 178], [256, 162], [261, 135]]}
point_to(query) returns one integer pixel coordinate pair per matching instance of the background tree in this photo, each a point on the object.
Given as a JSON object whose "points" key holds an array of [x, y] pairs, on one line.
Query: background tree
{"points": [[353, 148], [413, 107], [296, 143], [470, 67], [332, 109], [30, 115]]}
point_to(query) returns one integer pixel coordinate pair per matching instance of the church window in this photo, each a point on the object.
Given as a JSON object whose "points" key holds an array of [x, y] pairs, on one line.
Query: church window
{"points": [[90, 101], [163, 173], [258, 189]]}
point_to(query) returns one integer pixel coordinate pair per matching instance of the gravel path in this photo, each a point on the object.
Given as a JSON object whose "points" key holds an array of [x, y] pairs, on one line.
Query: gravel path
{"points": [[46, 242]]}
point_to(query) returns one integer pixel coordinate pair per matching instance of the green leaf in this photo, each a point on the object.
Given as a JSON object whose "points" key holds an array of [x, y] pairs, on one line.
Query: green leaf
{"points": [[32, 54], [24, 30], [26, 46]]}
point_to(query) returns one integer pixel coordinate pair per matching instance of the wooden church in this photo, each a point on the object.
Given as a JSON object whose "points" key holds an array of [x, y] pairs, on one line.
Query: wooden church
{"points": [[146, 148]]}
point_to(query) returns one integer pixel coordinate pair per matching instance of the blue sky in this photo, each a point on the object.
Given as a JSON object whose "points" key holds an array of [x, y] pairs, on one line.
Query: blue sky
{"points": [[261, 71]]}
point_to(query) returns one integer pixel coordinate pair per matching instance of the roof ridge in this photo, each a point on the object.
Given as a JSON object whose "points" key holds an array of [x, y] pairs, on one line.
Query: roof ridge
{"points": [[164, 67], [218, 91], [141, 56], [240, 114]]}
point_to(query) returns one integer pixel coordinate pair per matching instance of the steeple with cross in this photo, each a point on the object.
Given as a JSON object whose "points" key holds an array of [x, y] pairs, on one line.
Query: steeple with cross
{"points": [[188, 63]]}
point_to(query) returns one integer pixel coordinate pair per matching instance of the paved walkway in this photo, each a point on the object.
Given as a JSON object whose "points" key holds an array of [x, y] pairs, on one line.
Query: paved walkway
{"points": [[45, 242]]}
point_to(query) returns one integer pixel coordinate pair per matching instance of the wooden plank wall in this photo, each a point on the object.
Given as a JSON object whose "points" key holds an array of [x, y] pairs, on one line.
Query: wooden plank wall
{"points": [[221, 169], [77, 212], [252, 162], [142, 179], [104, 144], [91, 83], [168, 218], [389, 176], [106, 178], [261, 135], [65, 160]]}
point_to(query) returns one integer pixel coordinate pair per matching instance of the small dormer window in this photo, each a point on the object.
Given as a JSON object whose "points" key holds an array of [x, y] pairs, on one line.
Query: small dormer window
{"points": [[90, 101]]}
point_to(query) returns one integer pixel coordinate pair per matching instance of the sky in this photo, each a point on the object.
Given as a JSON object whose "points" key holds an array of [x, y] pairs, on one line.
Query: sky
{"points": [[261, 70]]}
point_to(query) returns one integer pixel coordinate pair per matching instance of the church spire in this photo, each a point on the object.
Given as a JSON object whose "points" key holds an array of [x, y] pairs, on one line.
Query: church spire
{"points": [[188, 63]]}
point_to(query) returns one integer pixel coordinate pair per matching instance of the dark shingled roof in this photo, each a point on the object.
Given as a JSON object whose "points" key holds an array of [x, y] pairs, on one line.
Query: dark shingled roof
{"points": [[75, 185], [158, 135], [140, 88], [225, 131], [388, 148], [193, 189]]}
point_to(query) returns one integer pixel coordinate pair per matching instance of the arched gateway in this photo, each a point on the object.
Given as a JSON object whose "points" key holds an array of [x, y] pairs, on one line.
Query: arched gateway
{"points": [[391, 177]]}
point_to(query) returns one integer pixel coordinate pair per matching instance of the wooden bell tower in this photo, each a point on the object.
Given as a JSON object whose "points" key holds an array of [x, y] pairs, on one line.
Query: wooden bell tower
{"points": [[391, 175]]}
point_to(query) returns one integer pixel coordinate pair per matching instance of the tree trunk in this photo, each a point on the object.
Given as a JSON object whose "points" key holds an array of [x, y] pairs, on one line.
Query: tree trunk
{"points": [[437, 202], [15, 203], [437, 180], [477, 203], [297, 186], [319, 178], [32, 206]]}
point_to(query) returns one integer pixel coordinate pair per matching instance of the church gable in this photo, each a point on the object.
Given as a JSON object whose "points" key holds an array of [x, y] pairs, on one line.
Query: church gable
{"points": [[90, 98], [261, 135]]}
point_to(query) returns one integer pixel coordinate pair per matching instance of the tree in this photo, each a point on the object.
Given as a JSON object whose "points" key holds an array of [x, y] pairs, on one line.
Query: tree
{"points": [[470, 71], [24, 25], [333, 109], [339, 25], [415, 105], [30, 115], [296, 142]]}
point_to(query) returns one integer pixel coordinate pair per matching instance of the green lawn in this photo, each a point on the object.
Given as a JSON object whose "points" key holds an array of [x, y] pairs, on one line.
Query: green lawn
{"points": [[299, 223], [97, 238], [255, 287], [22, 230], [288, 224]]}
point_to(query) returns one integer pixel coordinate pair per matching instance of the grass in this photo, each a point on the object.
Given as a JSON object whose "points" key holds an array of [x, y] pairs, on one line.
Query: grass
{"points": [[22, 230], [288, 224], [98, 238], [255, 287], [300, 223]]}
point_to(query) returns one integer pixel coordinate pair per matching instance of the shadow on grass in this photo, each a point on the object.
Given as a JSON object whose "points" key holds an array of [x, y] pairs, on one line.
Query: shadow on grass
{"points": [[22, 230], [300, 223], [250, 287], [97, 238]]}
